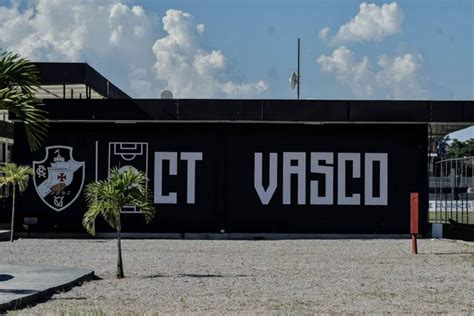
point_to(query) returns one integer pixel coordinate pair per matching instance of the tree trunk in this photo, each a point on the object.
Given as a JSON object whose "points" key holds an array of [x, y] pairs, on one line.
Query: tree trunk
{"points": [[119, 260], [12, 229]]}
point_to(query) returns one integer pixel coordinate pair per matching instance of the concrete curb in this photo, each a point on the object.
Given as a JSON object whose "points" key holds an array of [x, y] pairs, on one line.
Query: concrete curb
{"points": [[44, 294]]}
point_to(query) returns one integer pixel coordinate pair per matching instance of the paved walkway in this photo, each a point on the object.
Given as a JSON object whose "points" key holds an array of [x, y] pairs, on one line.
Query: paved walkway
{"points": [[25, 284]]}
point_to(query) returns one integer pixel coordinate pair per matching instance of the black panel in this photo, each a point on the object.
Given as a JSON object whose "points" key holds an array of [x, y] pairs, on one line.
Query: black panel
{"points": [[389, 111], [61, 73], [159, 109], [94, 109], [202, 216], [305, 110], [225, 193], [406, 173], [262, 110], [468, 109], [248, 110], [447, 111]]}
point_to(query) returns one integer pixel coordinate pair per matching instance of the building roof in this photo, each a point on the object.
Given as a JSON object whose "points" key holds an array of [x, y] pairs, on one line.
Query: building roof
{"points": [[75, 81], [76, 92], [442, 116]]}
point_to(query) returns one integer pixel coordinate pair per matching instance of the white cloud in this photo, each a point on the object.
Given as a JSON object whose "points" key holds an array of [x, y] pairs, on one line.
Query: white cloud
{"points": [[323, 34], [395, 78], [399, 68], [372, 23], [231, 88], [200, 28], [190, 70], [119, 40], [208, 62], [105, 33], [401, 74], [356, 75]]}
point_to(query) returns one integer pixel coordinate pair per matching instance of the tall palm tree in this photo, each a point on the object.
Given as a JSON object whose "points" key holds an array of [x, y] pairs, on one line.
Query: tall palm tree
{"points": [[107, 197], [13, 175], [19, 79]]}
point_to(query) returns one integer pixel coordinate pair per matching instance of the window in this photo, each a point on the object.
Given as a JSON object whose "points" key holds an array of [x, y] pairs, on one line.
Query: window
{"points": [[2, 152], [9, 153]]}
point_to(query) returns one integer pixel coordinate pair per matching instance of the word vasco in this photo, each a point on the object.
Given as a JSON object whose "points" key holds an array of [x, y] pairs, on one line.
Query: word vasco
{"points": [[294, 166]]}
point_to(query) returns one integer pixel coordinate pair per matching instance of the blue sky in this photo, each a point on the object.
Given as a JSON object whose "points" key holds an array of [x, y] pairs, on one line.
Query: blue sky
{"points": [[260, 39], [406, 49]]}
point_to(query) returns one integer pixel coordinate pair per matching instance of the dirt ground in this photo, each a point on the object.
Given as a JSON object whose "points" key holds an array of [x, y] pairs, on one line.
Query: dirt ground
{"points": [[258, 277]]}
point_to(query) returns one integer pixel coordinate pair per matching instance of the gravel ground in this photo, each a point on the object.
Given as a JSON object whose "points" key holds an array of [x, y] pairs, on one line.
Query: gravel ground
{"points": [[252, 277]]}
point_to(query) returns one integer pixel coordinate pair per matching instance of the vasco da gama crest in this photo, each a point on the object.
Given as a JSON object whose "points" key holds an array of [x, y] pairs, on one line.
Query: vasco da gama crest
{"points": [[58, 178]]}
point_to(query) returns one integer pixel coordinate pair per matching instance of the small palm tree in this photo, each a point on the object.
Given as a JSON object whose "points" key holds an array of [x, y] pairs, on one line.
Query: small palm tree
{"points": [[19, 79], [11, 174], [106, 198]]}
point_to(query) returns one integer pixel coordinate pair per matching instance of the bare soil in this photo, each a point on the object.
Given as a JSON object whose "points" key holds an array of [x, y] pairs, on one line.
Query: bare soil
{"points": [[258, 277]]}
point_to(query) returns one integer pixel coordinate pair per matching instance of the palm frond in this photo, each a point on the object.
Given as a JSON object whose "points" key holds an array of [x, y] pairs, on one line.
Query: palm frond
{"points": [[12, 174], [108, 197], [88, 221], [18, 71], [18, 81]]}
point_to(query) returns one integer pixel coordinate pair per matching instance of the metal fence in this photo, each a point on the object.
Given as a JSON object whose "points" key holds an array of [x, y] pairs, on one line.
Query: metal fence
{"points": [[452, 191]]}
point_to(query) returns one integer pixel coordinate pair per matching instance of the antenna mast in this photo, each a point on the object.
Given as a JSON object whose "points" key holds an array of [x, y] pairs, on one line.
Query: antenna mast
{"points": [[298, 76], [295, 77]]}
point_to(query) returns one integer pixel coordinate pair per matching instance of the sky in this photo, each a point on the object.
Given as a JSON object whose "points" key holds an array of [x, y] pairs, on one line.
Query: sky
{"points": [[406, 49]]}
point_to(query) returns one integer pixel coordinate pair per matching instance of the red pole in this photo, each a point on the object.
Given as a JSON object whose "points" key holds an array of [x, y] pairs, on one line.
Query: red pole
{"points": [[414, 245], [414, 221]]}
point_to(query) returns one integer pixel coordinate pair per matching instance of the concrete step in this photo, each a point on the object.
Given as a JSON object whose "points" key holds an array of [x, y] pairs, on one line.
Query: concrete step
{"points": [[4, 235]]}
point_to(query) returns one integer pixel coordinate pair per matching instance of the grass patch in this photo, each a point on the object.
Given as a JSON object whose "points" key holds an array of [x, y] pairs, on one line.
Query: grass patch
{"points": [[443, 217]]}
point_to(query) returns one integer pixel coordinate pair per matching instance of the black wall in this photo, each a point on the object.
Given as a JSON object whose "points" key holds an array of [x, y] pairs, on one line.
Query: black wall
{"points": [[225, 196]]}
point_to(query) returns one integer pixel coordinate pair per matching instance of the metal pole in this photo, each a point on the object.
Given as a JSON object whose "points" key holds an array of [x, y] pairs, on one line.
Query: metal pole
{"points": [[461, 193], [298, 76], [435, 193], [452, 177], [414, 244], [437, 177], [414, 213], [456, 197], [445, 188], [469, 166]]}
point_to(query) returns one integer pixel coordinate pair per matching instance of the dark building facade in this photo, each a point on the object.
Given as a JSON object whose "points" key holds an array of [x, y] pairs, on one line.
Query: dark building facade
{"points": [[236, 165], [243, 166]]}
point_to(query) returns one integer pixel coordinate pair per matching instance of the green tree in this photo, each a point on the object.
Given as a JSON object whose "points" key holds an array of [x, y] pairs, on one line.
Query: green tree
{"points": [[14, 176], [459, 149], [107, 197], [19, 80]]}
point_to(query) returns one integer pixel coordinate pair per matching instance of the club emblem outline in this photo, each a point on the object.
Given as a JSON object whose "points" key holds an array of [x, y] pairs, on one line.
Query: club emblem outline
{"points": [[36, 165]]}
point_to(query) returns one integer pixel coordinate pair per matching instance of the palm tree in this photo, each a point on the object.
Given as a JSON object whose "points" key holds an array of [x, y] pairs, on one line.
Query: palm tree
{"points": [[11, 174], [19, 79], [108, 197]]}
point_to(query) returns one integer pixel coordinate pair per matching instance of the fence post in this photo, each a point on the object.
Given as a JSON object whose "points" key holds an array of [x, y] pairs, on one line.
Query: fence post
{"points": [[414, 220]]}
